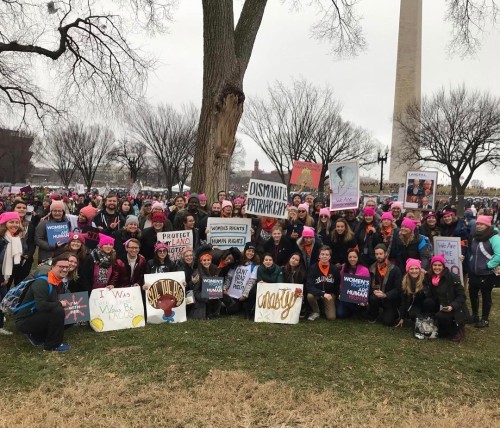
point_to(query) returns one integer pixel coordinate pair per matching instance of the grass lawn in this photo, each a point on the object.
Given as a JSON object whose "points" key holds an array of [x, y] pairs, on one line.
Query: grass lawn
{"points": [[235, 373]]}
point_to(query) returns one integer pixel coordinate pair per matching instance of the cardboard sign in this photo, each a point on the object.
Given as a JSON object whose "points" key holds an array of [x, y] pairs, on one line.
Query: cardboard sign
{"points": [[344, 185], [76, 308], [224, 233], [278, 303], [420, 190], [354, 289], [267, 198], [57, 233], [135, 189], [79, 189], [239, 281], [26, 189], [165, 297], [116, 309], [91, 237], [452, 250], [306, 174], [176, 241], [211, 288]]}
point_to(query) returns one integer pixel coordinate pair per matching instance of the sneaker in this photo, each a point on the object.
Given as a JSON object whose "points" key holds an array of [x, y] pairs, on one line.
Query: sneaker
{"points": [[34, 341], [5, 332], [458, 336], [61, 348], [482, 324], [372, 319], [313, 317], [419, 336]]}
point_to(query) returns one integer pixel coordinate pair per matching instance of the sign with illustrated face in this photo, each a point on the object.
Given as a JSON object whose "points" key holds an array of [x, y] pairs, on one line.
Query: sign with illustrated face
{"points": [[344, 185], [165, 297], [306, 174]]}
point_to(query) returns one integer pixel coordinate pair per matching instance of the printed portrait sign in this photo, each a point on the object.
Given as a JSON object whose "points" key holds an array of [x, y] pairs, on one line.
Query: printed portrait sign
{"points": [[278, 303], [267, 198], [176, 241], [420, 190], [224, 233], [452, 250], [116, 309], [57, 233], [344, 185], [306, 174], [76, 307], [165, 297], [354, 289], [211, 288]]}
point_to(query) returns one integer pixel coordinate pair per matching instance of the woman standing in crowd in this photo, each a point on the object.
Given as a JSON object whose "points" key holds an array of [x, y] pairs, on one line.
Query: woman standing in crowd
{"points": [[351, 267], [179, 205], [73, 283], [129, 231], [279, 246], [269, 271], [100, 268], [11, 251], [27, 235], [294, 271], [367, 237], [484, 268], [45, 250], [84, 219], [303, 215], [429, 226], [161, 261], [76, 246], [445, 299], [188, 223], [132, 267], [387, 228], [293, 226], [125, 209], [309, 247], [150, 234], [239, 286], [341, 240], [324, 226], [412, 292], [144, 217]]}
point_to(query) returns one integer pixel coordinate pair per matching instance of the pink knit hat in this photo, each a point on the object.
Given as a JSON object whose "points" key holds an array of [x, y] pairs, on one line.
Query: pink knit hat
{"points": [[438, 258], [484, 219], [226, 203], [308, 232], [8, 216], [409, 224], [76, 236], [387, 216], [324, 211], [202, 197], [413, 262], [57, 205], [157, 205], [89, 212], [397, 204], [369, 211], [303, 206], [239, 201], [105, 239]]}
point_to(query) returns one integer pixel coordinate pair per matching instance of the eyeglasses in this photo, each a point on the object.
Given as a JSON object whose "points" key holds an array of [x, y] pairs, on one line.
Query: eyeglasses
{"points": [[302, 211], [161, 251], [62, 267], [324, 216]]}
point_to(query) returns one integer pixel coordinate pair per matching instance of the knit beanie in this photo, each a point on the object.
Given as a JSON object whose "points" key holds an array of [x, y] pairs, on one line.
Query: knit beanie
{"points": [[158, 218], [8, 216], [131, 219], [369, 212], [89, 212], [105, 240], [308, 232], [324, 211], [484, 219], [57, 205], [438, 258], [409, 224], [226, 203], [413, 262], [387, 216]]}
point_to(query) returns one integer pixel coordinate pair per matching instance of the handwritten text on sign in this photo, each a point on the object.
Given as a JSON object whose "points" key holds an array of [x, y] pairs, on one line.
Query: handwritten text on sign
{"points": [[224, 233], [267, 198], [278, 303], [176, 242], [452, 250]]}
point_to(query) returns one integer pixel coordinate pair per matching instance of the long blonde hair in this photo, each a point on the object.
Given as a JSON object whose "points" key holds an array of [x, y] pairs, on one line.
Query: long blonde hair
{"points": [[408, 282]]}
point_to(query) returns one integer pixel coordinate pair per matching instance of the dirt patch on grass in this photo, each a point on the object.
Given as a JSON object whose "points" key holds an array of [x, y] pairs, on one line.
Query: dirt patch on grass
{"points": [[223, 399]]}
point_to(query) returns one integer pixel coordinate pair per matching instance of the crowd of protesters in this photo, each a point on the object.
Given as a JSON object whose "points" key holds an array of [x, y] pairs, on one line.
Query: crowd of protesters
{"points": [[314, 247]]}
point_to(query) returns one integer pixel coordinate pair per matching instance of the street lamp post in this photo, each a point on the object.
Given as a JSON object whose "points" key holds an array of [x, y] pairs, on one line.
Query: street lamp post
{"points": [[381, 159]]}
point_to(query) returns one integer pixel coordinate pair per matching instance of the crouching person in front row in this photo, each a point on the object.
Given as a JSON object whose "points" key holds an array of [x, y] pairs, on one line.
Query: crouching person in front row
{"points": [[43, 320], [323, 283]]}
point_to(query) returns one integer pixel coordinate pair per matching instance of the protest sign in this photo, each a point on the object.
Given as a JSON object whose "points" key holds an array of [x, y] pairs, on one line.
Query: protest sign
{"points": [[116, 309], [278, 303], [267, 198], [15, 190], [211, 287], [76, 307], [79, 189], [367, 199], [420, 190], [5, 190], [91, 236], [452, 250], [354, 289], [176, 242], [306, 174], [57, 233], [344, 185], [135, 189], [224, 233], [241, 276], [165, 297], [26, 189]]}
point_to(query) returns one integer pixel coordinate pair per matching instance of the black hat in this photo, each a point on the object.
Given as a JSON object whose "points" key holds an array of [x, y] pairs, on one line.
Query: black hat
{"points": [[249, 246]]}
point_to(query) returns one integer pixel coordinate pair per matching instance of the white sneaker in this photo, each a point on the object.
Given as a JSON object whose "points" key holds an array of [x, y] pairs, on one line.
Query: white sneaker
{"points": [[5, 332], [313, 317]]}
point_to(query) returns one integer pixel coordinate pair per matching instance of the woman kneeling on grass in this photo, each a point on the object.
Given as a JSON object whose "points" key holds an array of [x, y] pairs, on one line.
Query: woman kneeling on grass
{"points": [[445, 299], [412, 298]]}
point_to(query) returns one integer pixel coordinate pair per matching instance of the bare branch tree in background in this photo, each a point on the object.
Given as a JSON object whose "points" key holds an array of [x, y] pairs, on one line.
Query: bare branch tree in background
{"points": [[169, 136], [238, 157], [90, 147], [458, 130], [59, 156], [131, 155]]}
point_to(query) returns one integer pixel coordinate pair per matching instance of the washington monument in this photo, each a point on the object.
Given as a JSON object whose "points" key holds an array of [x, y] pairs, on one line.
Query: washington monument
{"points": [[408, 75]]}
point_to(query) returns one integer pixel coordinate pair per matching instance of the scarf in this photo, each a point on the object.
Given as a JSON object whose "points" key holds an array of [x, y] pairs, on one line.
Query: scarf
{"points": [[386, 233], [103, 260], [324, 269], [484, 235], [13, 253], [382, 269], [435, 280]]}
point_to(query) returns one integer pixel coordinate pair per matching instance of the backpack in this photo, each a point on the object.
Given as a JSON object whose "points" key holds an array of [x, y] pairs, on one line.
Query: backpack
{"points": [[424, 242], [13, 300]]}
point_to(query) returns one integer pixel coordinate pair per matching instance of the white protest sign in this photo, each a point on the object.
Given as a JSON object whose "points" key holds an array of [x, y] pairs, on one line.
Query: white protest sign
{"points": [[79, 189], [116, 309], [452, 250], [165, 297], [176, 241], [135, 189], [344, 185], [278, 303], [224, 233], [267, 198]]}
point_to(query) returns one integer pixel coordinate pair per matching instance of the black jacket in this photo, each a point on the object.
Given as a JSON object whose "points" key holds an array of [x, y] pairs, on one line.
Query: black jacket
{"points": [[318, 284]]}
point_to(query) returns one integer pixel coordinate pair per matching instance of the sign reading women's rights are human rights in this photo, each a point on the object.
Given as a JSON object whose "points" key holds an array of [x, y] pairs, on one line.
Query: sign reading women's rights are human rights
{"points": [[266, 198]]}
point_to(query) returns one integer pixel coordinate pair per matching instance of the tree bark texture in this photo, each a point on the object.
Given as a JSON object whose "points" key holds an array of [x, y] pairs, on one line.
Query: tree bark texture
{"points": [[227, 51]]}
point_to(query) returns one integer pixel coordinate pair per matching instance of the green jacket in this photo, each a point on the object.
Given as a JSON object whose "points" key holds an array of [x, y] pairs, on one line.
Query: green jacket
{"points": [[44, 301]]}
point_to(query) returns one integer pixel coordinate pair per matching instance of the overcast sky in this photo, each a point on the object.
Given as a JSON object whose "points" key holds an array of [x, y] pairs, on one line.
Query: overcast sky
{"points": [[284, 50]]}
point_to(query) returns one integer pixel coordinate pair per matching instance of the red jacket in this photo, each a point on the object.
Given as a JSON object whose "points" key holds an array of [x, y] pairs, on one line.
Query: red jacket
{"points": [[126, 279]]}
